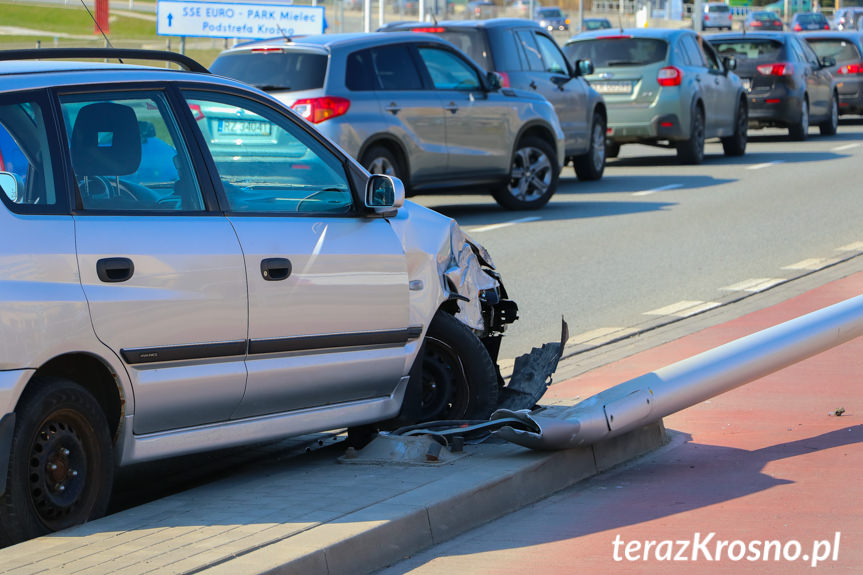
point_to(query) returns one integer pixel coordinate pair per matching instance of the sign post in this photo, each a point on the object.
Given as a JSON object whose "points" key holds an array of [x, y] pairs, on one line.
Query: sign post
{"points": [[101, 24], [237, 20]]}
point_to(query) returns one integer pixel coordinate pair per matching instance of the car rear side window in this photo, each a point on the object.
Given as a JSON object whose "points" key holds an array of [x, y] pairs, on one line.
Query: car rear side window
{"points": [[359, 73], [31, 184], [274, 69], [623, 51], [750, 49], [394, 68], [472, 42], [840, 50]]}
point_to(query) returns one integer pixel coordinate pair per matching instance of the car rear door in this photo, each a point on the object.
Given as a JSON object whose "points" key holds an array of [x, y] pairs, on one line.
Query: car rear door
{"points": [[480, 126], [163, 275], [328, 286], [819, 81]]}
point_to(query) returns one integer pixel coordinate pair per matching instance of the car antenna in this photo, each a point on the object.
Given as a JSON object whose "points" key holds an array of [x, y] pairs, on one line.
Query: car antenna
{"points": [[434, 18], [102, 32], [281, 31]]}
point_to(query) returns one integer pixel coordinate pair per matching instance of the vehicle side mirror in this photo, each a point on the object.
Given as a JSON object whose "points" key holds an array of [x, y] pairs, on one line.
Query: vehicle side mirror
{"points": [[9, 185], [384, 194], [828, 61], [495, 82], [730, 62], [583, 68]]}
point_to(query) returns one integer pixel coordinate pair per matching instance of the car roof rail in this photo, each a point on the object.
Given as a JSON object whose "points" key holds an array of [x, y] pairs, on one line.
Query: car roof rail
{"points": [[103, 53]]}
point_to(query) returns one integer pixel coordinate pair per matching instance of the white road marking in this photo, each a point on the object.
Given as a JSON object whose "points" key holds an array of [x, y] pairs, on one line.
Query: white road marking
{"points": [[855, 247], [660, 189], [845, 147], [502, 225], [601, 335], [765, 165], [684, 308], [812, 264], [754, 285]]}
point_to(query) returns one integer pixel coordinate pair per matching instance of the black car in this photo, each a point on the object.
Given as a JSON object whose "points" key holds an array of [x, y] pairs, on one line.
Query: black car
{"points": [[807, 21], [763, 20], [527, 58], [847, 49], [789, 85]]}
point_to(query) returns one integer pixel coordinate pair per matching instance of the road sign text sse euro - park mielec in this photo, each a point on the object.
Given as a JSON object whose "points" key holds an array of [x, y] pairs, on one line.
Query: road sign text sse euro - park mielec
{"points": [[237, 20]]}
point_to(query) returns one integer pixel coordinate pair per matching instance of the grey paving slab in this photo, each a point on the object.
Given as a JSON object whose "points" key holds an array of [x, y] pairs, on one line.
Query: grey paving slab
{"points": [[316, 516]]}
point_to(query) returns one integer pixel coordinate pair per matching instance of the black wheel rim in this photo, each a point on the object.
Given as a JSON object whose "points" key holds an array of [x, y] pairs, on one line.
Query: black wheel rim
{"points": [[60, 455], [445, 390]]}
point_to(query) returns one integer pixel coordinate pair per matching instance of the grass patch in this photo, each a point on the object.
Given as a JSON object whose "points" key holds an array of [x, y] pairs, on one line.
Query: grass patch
{"points": [[71, 19]]}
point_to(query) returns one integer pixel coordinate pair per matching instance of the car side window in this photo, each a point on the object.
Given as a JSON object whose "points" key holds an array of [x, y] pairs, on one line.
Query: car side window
{"points": [[530, 51], [796, 50], [26, 155], [359, 73], [809, 54], [127, 153], [693, 52], [448, 71], [266, 161], [553, 59], [395, 69], [710, 57]]}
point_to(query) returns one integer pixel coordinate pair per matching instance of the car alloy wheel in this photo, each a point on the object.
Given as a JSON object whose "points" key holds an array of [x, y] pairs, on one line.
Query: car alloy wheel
{"points": [[533, 176]]}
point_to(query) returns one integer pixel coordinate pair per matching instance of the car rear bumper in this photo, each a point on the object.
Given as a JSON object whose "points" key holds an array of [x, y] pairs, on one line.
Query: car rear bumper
{"points": [[659, 127], [777, 107]]}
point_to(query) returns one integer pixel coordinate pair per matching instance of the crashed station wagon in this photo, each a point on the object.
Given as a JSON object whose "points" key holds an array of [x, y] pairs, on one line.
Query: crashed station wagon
{"points": [[187, 265]]}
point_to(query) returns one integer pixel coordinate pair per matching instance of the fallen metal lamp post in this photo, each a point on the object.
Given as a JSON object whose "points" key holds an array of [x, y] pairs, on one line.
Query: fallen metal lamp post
{"points": [[652, 396]]}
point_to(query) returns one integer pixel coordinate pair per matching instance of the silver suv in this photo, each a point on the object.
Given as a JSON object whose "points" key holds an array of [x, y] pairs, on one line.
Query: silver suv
{"points": [[414, 107], [187, 265]]}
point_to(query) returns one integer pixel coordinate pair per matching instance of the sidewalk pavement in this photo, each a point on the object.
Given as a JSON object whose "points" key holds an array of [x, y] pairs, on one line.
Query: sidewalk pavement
{"points": [[766, 460]]}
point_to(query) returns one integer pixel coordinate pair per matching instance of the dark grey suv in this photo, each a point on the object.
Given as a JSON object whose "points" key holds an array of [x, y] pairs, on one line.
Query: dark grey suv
{"points": [[412, 106], [527, 58]]}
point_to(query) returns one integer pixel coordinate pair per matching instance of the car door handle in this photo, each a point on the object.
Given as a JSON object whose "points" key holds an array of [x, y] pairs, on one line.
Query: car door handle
{"points": [[115, 270], [452, 107], [532, 85], [275, 269], [393, 108]]}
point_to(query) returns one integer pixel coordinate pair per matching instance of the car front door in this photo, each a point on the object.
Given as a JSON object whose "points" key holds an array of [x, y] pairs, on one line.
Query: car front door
{"points": [[164, 277], [552, 77], [481, 126], [819, 82], [725, 92], [704, 84], [328, 285]]}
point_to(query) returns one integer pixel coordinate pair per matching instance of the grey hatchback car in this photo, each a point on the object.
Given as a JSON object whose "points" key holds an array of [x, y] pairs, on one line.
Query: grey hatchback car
{"points": [[665, 87], [414, 107], [187, 265]]}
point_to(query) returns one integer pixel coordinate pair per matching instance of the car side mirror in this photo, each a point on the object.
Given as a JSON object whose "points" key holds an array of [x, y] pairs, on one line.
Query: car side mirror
{"points": [[828, 61], [9, 185], [583, 68], [730, 62], [495, 82], [384, 194]]}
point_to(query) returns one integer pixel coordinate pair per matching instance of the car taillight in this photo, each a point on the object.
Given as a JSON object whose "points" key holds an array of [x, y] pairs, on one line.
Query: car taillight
{"points": [[317, 110], [265, 50], [798, 28], [706, 17], [780, 69], [851, 69], [777, 23], [826, 26], [435, 30], [197, 113], [669, 76], [756, 24], [504, 79]]}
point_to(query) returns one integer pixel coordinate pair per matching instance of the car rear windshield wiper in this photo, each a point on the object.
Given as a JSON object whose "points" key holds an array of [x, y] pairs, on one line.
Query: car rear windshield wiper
{"points": [[270, 87], [624, 63]]}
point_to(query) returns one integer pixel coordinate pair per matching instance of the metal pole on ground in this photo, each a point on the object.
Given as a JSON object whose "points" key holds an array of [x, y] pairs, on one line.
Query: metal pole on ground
{"points": [[367, 15]]}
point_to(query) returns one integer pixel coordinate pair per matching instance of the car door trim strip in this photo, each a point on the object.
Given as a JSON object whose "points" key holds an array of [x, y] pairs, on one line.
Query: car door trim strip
{"points": [[181, 352]]}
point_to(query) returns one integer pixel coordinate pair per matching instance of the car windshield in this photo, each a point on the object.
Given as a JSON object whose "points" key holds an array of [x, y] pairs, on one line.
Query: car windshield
{"points": [[840, 50], [470, 41], [550, 13], [618, 51], [749, 49], [274, 70]]}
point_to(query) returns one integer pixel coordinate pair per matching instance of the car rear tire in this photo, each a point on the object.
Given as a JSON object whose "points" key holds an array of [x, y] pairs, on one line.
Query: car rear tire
{"points": [[590, 166], [831, 125], [380, 160], [533, 176], [459, 379], [612, 149], [61, 468], [691, 151], [735, 145], [800, 130]]}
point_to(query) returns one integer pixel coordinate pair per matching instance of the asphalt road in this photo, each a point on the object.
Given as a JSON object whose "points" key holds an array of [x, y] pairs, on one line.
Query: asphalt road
{"points": [[656, 241]]}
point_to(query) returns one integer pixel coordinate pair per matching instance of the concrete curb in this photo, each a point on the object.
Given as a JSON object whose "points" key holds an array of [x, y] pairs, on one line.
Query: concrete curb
{"points": [[377, 536]]}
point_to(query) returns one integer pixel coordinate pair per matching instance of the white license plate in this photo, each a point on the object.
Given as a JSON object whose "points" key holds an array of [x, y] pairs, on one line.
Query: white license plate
{"points": [[621, 87], [747, 84], [244, 128]]}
